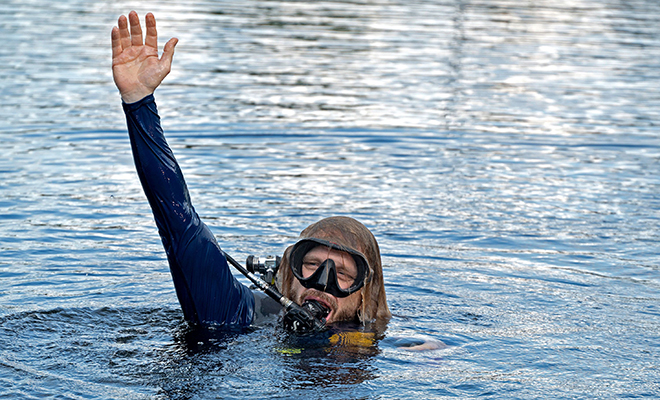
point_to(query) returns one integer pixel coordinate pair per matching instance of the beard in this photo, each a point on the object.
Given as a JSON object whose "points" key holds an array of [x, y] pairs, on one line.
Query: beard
{"points": [[346, 313]]}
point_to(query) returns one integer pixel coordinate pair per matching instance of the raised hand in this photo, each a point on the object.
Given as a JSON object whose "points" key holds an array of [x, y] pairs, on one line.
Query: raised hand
{"points": [[136, 68]]}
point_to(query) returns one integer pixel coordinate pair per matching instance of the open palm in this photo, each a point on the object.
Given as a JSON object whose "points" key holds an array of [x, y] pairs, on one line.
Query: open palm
{"points": [[136, 68]]}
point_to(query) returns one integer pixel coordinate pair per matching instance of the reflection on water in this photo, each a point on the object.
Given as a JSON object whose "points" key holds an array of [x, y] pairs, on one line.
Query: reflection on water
{"points": [[505, 154], [313, 374], [328, 363]]}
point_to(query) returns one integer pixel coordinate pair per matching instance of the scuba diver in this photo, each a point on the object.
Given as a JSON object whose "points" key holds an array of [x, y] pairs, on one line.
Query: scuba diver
{"points": [[332, 274]]}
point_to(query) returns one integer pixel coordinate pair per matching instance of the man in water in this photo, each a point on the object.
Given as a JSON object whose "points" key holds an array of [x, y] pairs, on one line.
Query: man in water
{"points": [[336, 262]]}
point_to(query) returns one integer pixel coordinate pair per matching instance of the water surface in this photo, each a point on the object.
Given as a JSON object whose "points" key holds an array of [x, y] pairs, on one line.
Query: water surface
{"points": [[505, 154]]}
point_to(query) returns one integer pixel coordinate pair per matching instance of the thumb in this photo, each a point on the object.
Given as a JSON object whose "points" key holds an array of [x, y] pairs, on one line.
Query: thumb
{"points": [[168, 52]]}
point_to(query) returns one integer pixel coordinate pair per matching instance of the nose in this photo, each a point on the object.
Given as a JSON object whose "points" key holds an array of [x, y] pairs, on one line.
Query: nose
{"points": [[326, 266]]}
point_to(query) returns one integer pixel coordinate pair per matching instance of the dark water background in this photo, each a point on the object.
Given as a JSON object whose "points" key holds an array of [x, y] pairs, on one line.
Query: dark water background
{"points": [[506, 154]]}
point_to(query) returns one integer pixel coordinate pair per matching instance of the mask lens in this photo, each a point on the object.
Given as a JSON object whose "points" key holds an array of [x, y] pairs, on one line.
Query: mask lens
{"points": [[315, 271]]}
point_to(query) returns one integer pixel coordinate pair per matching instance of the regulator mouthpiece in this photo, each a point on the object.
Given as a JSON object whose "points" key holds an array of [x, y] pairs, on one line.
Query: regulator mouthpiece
{"points": [[317, 309], [308, 318]]}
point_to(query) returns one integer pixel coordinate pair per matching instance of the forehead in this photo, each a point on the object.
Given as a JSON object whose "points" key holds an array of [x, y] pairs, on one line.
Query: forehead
{"points": [[323, 252]]}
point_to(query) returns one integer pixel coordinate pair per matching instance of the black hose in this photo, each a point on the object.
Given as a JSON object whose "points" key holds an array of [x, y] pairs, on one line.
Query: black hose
{"points": [[296, 318]]}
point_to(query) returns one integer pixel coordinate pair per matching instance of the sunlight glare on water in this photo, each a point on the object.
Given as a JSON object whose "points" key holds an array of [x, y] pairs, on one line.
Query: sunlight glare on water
{"points": [[505, 154]]}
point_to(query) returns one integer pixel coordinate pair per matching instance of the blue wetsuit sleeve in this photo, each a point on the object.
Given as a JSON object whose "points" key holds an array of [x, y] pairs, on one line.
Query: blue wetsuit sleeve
{"points": [[206, 289]]}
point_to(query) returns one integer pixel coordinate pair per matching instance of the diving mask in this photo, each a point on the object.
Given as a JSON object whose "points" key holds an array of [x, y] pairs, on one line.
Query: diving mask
{"points": [[323, 273]]}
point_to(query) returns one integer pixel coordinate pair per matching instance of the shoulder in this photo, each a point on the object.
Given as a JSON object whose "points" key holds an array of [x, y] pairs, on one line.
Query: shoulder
{"points": [[266, 310]]}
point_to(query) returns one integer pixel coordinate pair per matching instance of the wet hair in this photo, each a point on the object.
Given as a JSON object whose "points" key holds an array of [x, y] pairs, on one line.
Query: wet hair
{"points": [[350, 233]]}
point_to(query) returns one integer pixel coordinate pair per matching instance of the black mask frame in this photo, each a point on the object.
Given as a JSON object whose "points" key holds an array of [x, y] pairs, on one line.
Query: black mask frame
{"points": [[325, 277]]}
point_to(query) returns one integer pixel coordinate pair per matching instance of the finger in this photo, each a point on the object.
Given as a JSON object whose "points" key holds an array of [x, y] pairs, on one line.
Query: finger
{"points": [[152, 35], [168, 53], [124, 35], [116, 42], [136, 29]]}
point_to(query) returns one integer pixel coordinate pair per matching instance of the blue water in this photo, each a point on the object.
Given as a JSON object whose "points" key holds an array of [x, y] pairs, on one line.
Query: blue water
{"points": [[505, 154]]}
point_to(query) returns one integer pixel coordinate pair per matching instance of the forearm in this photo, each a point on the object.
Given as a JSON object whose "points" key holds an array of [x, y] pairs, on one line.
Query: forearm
{"points": [[159, 173], [206, 289]]}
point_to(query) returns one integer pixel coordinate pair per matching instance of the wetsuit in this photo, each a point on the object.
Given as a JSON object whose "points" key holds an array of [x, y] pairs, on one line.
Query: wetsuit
{"points": [[206, 289]]}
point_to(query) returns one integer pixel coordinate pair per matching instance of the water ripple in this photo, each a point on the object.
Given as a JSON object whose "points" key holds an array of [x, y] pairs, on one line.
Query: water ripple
{"points": [[505, 154]]}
